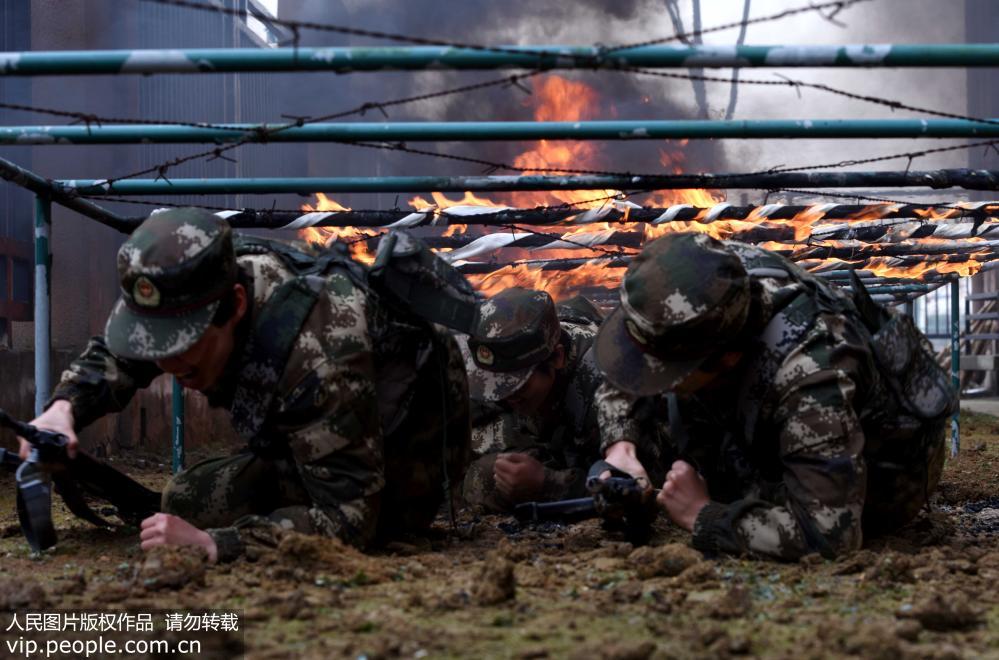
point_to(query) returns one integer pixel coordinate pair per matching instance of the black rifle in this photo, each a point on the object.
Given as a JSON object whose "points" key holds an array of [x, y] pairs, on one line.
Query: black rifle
{"points": [[622, 502], [48, 464]]}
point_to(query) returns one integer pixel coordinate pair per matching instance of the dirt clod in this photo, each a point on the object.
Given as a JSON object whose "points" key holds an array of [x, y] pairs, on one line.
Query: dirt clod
{"points": [[495, 582], [21, 593], [312, 553], [734, 603], [172, 567], [73, 584], [664, 560], [889, 568], [942, 611], [617, 650]]}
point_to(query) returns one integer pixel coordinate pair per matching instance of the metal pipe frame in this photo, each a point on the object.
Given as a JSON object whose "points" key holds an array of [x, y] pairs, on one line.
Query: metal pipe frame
{"points": [[646, 129], [955, 363], [42, 303], [542, 57], [890, 214], [44, 187], [962, 178]]}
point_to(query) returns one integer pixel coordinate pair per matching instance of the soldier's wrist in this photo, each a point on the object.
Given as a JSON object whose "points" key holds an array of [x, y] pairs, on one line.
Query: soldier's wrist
{"points": [[66, 405], [624, 448], [62, 406]]}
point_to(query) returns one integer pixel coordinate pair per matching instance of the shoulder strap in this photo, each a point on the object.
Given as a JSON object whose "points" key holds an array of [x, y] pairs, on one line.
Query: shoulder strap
{"points": [[267, 353]]}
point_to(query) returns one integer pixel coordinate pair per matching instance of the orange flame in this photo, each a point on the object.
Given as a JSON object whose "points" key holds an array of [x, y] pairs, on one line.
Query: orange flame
{"points": [[558, 99], [324, 236], [558, 284], [883, 267]]}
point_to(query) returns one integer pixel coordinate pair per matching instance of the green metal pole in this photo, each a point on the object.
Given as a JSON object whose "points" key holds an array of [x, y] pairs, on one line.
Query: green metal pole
{"points": [[970, 179], [28, 180], [750, 129], [42, 306], [344, 60], [955, 362], [177, 405]]}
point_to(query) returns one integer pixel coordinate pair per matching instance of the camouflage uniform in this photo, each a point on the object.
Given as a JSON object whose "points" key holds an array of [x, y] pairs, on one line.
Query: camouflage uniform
{"points": [[803, 444], [351, 434], [564, 436]]}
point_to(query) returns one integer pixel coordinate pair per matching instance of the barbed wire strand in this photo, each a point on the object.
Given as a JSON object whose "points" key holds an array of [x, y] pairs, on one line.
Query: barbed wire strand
{"points": [[260, 134], [834, 8]]}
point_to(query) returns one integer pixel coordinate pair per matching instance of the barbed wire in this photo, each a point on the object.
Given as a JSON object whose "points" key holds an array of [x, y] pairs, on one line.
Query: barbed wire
{"points": [[706, 180], [260, 134], [295, 26], [798, 85], [622, 195], [697, 180]]}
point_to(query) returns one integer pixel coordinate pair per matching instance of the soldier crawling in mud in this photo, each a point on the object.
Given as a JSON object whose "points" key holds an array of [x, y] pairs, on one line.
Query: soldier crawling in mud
{"points": [[532, 378], [355, 417], [799, 419]]}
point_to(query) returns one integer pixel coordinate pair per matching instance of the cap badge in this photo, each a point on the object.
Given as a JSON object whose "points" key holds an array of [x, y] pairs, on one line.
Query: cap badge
{"points": [[145, 293], [484, 356]]}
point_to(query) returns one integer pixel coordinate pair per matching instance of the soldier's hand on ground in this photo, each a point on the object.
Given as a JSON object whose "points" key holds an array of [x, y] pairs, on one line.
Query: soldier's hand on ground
{"points": [[519, 477], [58, 419], [166, 529], [623, 456], [683, 495]]}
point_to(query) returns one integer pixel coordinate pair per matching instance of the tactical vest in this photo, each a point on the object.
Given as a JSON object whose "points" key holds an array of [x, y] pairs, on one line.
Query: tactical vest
{"points": [[919, 391], [416, 284]]}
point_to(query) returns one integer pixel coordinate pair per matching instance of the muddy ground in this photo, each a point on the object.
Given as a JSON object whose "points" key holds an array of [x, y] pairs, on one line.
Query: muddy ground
{"points": [[498, 590]]}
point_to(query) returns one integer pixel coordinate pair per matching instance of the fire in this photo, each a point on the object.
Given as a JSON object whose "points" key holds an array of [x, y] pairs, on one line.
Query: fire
{"points": [[555, 98], [884, 267], [559, 99], [558, 284], [442, 202], [324, 236]]}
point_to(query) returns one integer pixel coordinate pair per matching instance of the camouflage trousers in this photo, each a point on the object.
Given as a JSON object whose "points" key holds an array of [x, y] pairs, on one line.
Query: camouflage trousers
{"points": [[424, 457], [901, 480]]}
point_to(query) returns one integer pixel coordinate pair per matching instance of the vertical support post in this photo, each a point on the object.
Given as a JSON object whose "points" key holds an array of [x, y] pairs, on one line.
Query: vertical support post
{"points": [[43, 316], [955, 362], [177, 400]]}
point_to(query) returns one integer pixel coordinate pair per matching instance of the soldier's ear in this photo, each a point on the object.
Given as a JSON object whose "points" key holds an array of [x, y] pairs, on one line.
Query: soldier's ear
{"points": [[240, 301], [558, 356]]}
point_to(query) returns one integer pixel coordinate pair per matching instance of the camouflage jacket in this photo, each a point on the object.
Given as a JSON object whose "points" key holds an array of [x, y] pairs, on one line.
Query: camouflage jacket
{"points": [[780, 441], [566, 437], [329, 413]]}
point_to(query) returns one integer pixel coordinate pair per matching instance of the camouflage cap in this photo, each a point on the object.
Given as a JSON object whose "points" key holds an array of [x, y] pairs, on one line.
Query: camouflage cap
{"points": [[173, 271], [682, 299], [516, 330]]}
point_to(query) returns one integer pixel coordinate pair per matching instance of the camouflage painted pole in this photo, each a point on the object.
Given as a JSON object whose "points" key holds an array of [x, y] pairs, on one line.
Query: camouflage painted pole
{"points": [[543, 57], [650, 129], [878, 218], [956, 235], [962, 178], [42, 307]]}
